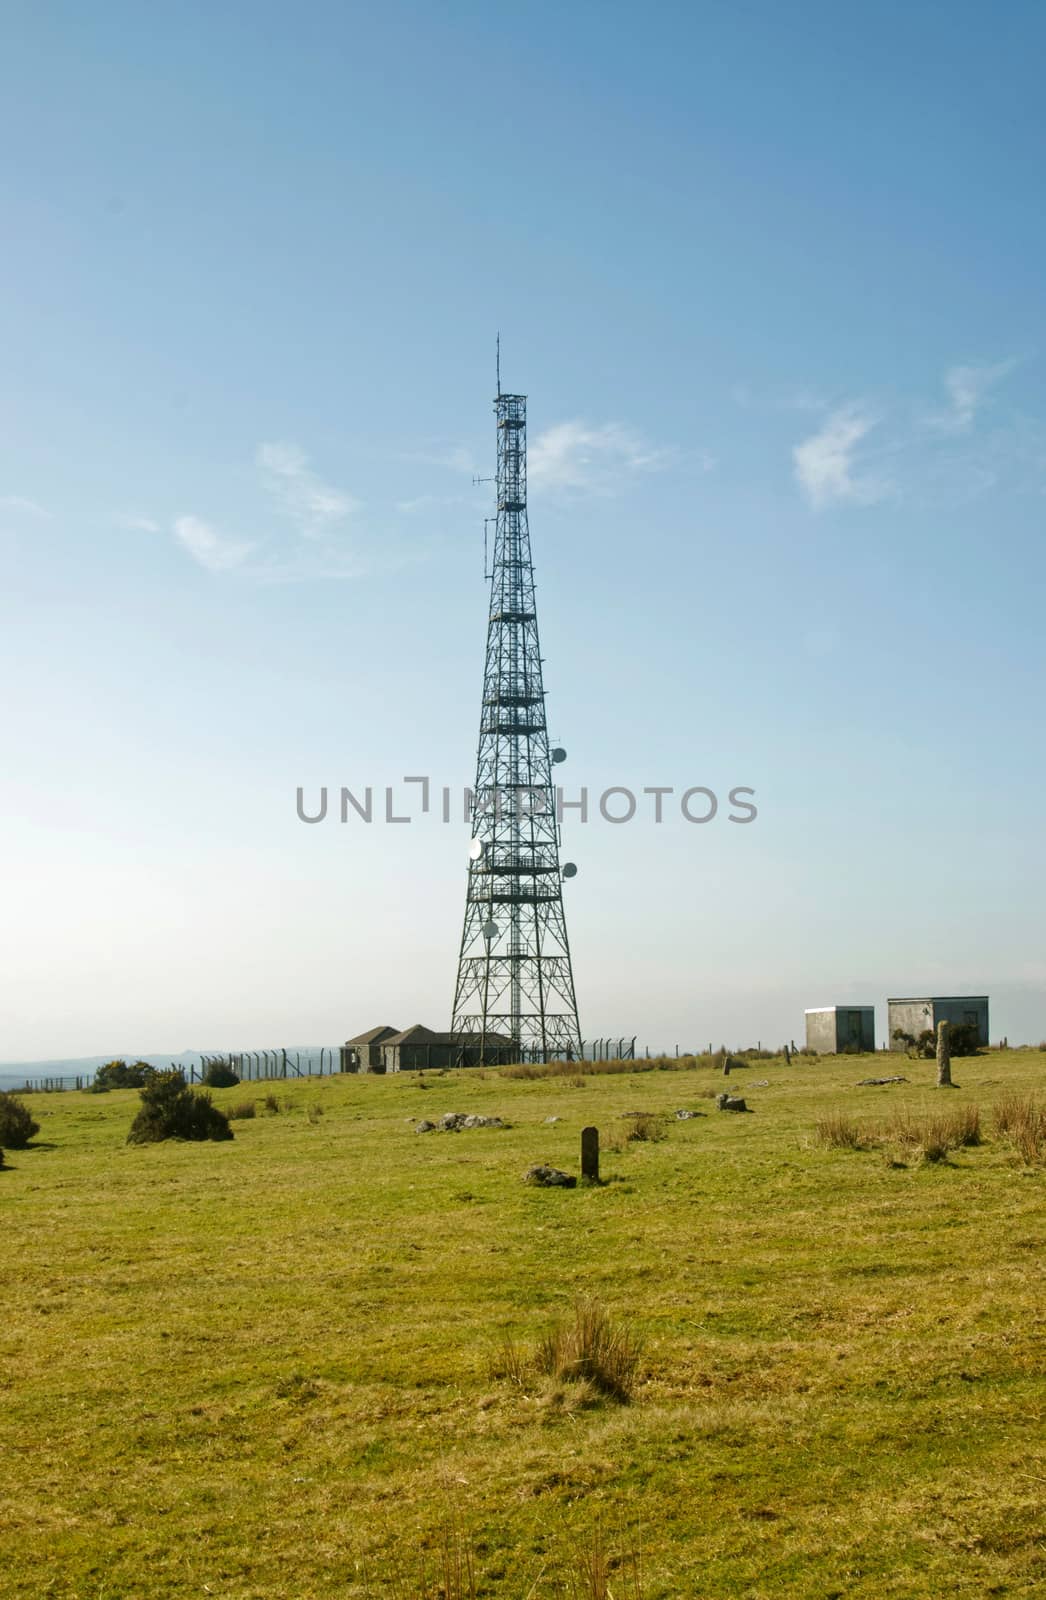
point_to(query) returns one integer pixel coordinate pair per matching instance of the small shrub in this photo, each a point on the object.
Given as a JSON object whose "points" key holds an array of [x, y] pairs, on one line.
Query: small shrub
{"points": [[590, 1349], [838, 1132], [963, 1039], [17, 1127], [243, 1111], [118, 1075], [220, 1075], [170, 1110]]}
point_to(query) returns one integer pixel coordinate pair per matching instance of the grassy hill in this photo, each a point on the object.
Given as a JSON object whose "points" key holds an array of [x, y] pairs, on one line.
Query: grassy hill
{"points": [[277, 1367]]}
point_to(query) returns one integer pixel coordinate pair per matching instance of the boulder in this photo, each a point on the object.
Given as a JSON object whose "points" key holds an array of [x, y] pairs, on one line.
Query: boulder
{"points": [[425, 1127], [549, 1178], [730, 1102]]}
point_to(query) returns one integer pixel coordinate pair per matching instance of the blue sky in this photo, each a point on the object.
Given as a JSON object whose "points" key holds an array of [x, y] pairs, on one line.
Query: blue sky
{"points": [[771, 278]]}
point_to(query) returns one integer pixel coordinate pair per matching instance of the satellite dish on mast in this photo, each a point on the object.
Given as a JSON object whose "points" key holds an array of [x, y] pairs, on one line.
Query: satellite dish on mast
{"points": [[569, 869], [476, 849], [490, 931], [559, 754]]}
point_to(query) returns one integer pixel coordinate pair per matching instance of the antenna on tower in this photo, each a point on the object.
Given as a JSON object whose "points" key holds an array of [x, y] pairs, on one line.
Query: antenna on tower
{"points": [[498, 348]]}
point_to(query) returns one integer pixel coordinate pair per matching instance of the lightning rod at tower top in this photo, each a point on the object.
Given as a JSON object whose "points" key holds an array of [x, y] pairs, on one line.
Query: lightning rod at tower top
{"points": [[515, 982]]}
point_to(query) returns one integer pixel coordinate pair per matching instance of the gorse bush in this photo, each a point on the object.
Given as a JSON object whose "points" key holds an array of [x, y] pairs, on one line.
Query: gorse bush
{"points": [[170, 1110], [963, 1040], [220, 1075], [16, 1125], [118, 1075]]}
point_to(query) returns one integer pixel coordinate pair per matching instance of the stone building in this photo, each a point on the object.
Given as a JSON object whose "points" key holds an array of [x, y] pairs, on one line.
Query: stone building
{"points": [[419, 1048]]}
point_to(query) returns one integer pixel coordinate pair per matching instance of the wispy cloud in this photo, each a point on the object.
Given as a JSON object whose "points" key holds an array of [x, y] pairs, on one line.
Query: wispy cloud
{"points": [[967, 388], [211, 549], [581, 458], [798, 398], [22, 503], [136, 524], [312, 505], [455, 457], [427, 502], [825, 463]]}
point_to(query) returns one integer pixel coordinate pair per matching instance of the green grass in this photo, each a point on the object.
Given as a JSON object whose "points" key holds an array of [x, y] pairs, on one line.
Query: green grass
{"points": [[268, 1368]]}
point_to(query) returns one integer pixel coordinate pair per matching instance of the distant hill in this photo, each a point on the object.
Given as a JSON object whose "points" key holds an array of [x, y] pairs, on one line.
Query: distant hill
{"points": [[13, 1073]]}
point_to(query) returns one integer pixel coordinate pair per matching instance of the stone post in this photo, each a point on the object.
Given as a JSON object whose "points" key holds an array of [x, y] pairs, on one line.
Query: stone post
{"points": [[944, 1057], [590, 1154]]}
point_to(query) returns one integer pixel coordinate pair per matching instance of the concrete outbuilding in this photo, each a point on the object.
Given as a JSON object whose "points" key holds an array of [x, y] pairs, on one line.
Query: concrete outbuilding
{"points": [[914, 1015], [833, 1030]]}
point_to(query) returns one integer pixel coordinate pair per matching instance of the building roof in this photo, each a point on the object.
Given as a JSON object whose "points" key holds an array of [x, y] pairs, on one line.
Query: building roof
{"points": [[372, 1036], [933, 999], [419, 1034]]}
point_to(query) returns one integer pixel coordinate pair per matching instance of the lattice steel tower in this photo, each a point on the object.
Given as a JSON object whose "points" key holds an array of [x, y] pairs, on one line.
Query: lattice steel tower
{"points": [[514, 973]]}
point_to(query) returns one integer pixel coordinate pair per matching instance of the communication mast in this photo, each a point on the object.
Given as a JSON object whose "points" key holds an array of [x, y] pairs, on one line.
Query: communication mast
{"points": [[515, 980]]}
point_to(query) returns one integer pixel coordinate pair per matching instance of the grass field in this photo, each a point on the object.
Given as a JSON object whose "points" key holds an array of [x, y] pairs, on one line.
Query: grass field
{"points": [[271, 1367]]}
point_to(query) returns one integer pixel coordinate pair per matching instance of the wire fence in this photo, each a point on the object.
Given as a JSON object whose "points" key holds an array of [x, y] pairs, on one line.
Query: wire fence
{"points": [[258, 1066]]}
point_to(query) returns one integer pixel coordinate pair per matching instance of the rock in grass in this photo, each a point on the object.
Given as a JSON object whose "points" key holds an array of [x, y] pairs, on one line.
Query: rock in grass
{"points": [[425, 1127], [730, 1102], [549, 1178], [684, 1116], [877, 1083], [454, 1121]]}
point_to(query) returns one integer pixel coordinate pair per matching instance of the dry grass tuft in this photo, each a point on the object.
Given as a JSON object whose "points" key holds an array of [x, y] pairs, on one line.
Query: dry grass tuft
{"points": [[447, 1573], [931, 1138], [836, 1131], [243, 1111], [1022, 1120], [926, 1138], [596, 1572], [643, 1127], [590, 1349]]}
